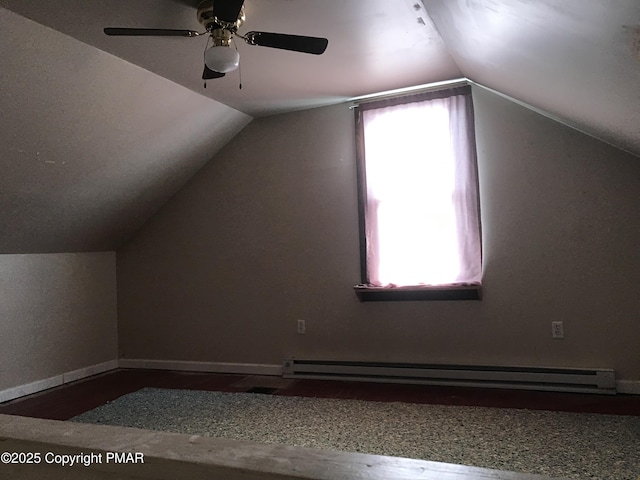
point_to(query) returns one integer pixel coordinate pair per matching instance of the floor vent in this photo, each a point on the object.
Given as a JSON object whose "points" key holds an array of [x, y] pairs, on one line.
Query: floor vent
{"points": [[580, 380], [262, 390]]}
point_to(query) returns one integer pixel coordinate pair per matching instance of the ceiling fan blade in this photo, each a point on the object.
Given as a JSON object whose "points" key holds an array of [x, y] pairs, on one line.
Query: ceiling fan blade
{"points": [[227, 10], [296, 43], [149, 32], [209, 74]]}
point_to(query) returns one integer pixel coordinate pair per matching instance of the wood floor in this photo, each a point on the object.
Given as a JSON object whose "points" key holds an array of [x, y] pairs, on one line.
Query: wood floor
{"points": [[64, 402]]}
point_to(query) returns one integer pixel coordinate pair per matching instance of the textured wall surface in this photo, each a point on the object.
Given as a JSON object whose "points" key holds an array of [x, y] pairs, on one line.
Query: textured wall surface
{"points": [[267, 233], [57, 314]]}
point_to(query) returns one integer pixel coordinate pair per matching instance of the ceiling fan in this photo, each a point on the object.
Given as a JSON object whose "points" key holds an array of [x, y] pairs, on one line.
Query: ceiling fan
{"points": [[221, 20]]}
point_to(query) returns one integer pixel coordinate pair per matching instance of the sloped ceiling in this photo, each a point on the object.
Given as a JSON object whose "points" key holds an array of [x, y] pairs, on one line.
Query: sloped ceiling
{"points": [[91, 146], [577, 60], [98, 132]]}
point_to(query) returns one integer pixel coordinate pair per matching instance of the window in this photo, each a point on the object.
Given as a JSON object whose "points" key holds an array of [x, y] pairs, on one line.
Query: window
{"points": [[418, 189]]}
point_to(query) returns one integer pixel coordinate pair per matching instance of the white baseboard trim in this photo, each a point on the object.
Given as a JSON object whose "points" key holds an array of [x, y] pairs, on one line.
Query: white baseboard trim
{"points": [[630, 387], [55, 381], [210, 367]]}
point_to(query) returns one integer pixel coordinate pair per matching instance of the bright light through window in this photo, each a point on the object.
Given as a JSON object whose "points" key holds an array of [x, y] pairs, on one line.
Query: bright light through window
{"points": [[412, 186]]}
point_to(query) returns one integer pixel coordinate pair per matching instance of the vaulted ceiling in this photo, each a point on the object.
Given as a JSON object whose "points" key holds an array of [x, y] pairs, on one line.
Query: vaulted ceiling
{"points": [[98, 132]]}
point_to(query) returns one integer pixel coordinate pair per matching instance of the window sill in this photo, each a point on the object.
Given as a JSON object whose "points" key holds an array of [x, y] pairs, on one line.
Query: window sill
{"points": [[367, 293]]}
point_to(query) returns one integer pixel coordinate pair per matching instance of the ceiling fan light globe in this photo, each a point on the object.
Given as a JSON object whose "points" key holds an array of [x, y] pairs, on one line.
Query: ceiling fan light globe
{"points": [[221, 58]]}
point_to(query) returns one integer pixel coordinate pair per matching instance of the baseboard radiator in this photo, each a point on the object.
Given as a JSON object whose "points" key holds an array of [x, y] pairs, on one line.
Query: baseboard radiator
{"points": [[580, 380]]}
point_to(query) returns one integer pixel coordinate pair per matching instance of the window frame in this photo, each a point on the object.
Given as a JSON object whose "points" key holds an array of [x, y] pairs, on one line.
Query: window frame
{"points": [[366, 292]]}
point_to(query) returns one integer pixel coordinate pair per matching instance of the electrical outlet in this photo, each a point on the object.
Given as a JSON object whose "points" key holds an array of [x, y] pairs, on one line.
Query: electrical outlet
{"points": [[302, 327], [557, 330]]}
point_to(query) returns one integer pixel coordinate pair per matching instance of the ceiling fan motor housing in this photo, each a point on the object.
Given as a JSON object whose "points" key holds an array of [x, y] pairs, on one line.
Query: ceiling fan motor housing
{"points": [[208, 20]]}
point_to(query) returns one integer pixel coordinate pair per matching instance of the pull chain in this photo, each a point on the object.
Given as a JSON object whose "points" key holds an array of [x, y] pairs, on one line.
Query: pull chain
{"points": [[203, 55]]}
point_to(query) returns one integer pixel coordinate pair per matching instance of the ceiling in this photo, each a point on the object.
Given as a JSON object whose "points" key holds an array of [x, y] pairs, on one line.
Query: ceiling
{"points": [[576, 60], [374, 45], [98, 132]]}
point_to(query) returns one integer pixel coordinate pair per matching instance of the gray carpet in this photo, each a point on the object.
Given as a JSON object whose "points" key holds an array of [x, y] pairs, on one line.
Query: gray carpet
{"points": [[571, 445]]}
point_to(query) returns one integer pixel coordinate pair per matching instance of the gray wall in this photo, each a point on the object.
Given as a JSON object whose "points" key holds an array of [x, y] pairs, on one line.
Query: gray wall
{"points": [[57, 314], [267, 233]]}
